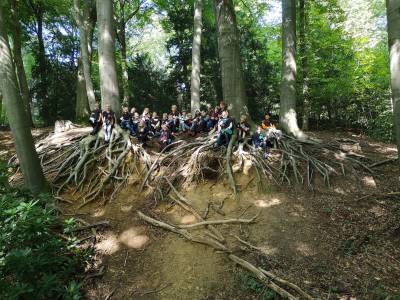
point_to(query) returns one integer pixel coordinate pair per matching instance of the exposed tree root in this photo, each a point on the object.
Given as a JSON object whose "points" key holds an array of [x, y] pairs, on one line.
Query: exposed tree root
{"points": [[96, 169]]}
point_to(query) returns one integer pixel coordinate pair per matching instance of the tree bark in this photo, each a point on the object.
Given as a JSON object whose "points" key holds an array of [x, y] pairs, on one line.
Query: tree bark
{"points": [[288, 116], [19, 63], [233, 87], [82, 104], [196, 57], [124, 66], [42, 85], [304, 64], [393, 21], [83, 22], [20, 127], [106, 50]]}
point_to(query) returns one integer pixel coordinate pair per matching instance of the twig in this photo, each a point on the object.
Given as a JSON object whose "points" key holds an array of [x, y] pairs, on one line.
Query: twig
{"points": [[379, 163], [108, 297], [156, 290]]}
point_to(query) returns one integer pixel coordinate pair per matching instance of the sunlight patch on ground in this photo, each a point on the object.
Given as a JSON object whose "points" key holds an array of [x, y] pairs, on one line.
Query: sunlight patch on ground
{"points": [[126, 208], [339, 190], [377, 211], [340, 156], [268, 250], [187, 219], [133, 238], [369, 181], [109, 245], [304, 249], [99, 213], [267, 203]]}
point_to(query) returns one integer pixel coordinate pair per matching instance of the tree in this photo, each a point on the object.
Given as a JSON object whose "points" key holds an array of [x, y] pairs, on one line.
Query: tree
{"points": [[19, 123], [304, 64], [17, 53], [229, 55], [288, 118], [393, 27], [83, 21], [196, 57], [82, 103], [124, 14], [106, 50]]}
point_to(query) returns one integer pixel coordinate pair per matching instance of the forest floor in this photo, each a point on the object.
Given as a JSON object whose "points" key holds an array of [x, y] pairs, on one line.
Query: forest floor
{"points": [[341, 242]]}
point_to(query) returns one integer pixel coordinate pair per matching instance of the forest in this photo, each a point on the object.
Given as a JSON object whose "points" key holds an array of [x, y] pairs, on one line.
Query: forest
{"points": [[205, 149]]}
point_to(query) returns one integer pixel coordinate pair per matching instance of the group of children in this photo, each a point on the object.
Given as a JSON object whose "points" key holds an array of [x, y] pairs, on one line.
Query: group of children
{"points": [[145, 125]]}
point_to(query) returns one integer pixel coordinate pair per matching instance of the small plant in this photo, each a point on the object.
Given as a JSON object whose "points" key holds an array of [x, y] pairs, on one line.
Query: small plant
{"points": [[249, 283]]}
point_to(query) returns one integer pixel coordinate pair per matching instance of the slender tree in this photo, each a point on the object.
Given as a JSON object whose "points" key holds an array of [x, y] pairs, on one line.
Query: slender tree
{"points": [[106, 49], [304, 63], [82, 103], [19, 63], [288, 117], [82, 17], [196, 56], [38, 10], [393, 25], [233, 87], [20, 127], [123, 16]]}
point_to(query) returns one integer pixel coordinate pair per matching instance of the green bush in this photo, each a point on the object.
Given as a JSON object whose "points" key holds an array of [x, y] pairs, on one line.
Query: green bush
{"points": [[35, 262]]}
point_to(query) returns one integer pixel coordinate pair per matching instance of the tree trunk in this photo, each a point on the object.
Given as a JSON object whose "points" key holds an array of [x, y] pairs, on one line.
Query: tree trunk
{"points": [[106, 49], [20, 127], [124, 66], [42, 85], [304, 64], [288, 118], [393, 21], [196, 57], [83, 21], [82, 104], [19, 63], [233, 88]]}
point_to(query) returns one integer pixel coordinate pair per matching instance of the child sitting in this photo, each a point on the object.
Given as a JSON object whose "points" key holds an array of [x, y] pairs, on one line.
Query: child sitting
{"points": [[225, 129], [266, 123], [135, 123], [142, 132], [165, 137], [125, 120], [213, 118], [182, 118], [188, 125], [108, 122], [243, 129], [95, 119], [155, 123], [260, 141]]}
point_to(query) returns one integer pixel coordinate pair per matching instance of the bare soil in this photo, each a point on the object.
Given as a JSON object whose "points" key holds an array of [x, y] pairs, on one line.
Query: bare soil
{"points": [[341, 242]]}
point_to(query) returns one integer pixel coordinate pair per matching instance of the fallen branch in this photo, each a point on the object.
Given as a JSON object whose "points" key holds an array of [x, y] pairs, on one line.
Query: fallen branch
{"points": [[216, 245], [214, 222], [380, 163]]}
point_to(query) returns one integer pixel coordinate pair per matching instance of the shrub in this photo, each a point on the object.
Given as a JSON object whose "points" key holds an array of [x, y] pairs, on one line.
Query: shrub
{"points": [[35, 262]]}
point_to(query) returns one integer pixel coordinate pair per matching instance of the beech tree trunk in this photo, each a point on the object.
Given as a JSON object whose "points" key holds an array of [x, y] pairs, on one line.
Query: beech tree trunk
{"points": [[83, 22], [19, 63], [304, 64], [233, 87], [393, 21], [20, 127], [82, 104], [106, 50], [196, 57], [288, 116]]}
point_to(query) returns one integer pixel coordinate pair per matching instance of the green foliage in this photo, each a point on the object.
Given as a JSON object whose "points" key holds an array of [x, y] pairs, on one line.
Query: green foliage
{"points": [[35, 263], [249, 283]]}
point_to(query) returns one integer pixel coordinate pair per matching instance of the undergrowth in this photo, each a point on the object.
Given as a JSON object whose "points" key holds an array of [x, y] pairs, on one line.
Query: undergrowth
{"points": [[35, 262]]}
